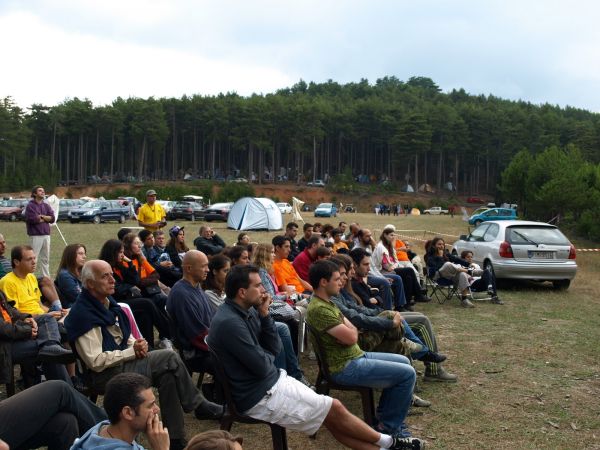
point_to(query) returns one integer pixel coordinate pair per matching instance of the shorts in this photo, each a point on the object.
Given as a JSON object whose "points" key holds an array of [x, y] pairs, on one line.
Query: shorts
{"points": [[292, 405]]}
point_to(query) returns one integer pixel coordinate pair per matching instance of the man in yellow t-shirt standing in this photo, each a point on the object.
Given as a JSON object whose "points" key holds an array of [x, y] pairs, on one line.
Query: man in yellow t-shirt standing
{"points": [[152, 215]]}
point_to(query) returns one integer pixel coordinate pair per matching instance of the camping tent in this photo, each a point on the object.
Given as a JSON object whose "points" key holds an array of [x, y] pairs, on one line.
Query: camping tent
{"points": [[251, 213]]}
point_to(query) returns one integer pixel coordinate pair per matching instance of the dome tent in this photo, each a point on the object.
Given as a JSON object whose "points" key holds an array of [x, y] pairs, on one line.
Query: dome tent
{"points": [[253, 213]]}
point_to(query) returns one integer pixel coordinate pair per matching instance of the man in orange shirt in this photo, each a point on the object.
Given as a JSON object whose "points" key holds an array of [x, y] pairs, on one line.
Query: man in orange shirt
{"points": [[285, 275]]}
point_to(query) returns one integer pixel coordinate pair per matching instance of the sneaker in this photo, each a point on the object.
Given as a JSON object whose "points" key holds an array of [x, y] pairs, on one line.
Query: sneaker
{"points": [[433, 357], [209, 411], [166, 344], [307, 383], [419, 402], [466, 303], [496, 300], [441, 376], [54, 353], [407, 443]]}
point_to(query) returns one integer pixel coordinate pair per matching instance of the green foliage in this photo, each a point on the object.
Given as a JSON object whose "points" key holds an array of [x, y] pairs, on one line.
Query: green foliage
{"points": [[230, 192]]}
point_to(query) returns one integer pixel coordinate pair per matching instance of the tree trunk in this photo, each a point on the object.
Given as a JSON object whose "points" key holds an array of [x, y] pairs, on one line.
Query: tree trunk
{"points": [[142, 159], [416, 172]]}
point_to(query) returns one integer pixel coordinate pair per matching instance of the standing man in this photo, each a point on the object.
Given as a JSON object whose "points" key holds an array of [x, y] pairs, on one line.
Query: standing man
{"points": [[151, 215], [38, 217]]}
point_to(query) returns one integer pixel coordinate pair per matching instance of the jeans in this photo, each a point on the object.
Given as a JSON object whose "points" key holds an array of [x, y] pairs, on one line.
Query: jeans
{"points": [[286, 359], [49, 414], [481, 284], [390, 372], [386, 290]]}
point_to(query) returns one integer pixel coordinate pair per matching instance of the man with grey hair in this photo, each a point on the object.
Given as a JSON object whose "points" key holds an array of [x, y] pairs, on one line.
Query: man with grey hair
{"points": [[101, 333], [208, 242]]}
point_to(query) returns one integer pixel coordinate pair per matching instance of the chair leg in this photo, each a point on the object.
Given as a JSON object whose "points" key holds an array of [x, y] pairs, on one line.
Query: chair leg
{"points": [[368, 404], [279, 437], [226, 423]]}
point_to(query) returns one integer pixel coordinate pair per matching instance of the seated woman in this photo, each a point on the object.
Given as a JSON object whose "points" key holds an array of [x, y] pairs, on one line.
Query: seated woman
{"points": [[481, 279], [243, 239], [441, 264], [68, 278], [214, 285], [147, 314], [176, 247], [238, 254]]}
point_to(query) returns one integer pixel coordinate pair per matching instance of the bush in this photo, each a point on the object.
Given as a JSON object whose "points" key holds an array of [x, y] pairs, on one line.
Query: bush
{"points": [[230, 192]]}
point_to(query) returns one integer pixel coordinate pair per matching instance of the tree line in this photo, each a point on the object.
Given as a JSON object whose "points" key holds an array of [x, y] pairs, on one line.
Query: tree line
{"points": [[390, 131]]}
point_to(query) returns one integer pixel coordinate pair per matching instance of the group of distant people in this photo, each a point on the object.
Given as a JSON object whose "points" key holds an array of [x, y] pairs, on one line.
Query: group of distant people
{"points": [[245, 303]]}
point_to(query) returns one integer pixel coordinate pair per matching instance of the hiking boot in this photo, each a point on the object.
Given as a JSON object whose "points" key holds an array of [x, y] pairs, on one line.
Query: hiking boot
{"points": [[209, 411], [433, 357], [407, 443], [441, 376], [54, 353], [496, 300], [466, 303], [419, 402]]}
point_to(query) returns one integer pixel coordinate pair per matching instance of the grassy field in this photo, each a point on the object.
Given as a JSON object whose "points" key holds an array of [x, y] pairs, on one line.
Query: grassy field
{"points": [[529, 374]]}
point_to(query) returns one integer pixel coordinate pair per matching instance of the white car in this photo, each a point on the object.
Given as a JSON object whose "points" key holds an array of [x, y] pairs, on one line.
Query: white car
{"points": [[436, 210], [285, 208], [317, 183]]}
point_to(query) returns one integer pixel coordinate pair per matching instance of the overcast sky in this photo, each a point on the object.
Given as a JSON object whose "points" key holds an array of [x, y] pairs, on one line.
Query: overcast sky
{"points": [[539, 51]]}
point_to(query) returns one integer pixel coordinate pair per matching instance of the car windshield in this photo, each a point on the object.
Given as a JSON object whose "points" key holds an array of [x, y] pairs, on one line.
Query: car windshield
{"points": [[220, 206], [183, 204], [324, 205], [522, 235]]}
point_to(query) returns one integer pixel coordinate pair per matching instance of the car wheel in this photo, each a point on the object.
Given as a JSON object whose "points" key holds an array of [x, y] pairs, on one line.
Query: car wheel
{"points": [[561, 285], [487, 265], [13, 218], [121, 218], [426, 213], [477, 222], [96, 219]]}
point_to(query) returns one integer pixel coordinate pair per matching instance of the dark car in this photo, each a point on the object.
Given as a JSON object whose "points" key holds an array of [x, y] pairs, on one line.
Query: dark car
{"points": [[218, 211], [13, 209], [65, 205], [100, 211], [185, 210]]}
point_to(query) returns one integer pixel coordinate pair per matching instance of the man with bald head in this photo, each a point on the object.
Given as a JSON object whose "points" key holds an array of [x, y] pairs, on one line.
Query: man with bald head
{"points": [[101, 333], [191, 312]]}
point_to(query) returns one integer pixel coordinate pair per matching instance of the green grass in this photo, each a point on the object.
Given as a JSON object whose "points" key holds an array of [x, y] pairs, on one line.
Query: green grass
{"points": [[524, 367]]}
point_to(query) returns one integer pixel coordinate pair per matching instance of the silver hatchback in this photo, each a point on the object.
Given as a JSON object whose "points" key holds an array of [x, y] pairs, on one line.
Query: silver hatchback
{"points": [[520, 249]]}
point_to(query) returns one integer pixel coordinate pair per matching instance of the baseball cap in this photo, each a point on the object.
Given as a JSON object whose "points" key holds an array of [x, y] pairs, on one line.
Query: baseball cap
{"points": [[174, 231], [150, 192]]}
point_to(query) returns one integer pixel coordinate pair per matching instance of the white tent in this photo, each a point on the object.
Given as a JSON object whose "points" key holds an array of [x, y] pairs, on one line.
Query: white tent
{"points": [[252, 213]]}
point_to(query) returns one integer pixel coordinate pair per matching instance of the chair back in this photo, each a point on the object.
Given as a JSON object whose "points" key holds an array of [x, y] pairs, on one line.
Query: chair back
{"points": [[221, 376], [320, 352]]}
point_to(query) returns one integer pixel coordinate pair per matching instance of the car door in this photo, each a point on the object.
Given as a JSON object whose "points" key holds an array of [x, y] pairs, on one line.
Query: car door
{"points": [[488, 248], [474, 239]]}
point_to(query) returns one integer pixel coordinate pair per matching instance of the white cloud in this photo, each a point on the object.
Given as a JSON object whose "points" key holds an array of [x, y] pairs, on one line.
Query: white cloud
{"points": [[50, 64]]}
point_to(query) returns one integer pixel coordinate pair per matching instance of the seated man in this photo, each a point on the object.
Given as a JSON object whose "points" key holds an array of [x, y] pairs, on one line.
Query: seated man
{"points": [[481, 279], [291, 231], [307, 256], [383, 330], [25, 341], [286, 277], [22, 287], [350, 365], [101, 334], [244, 338], [131, 408], [307, 229], [208, 242], [5, 265], [168, 274], [191, 312], [49, 414]]}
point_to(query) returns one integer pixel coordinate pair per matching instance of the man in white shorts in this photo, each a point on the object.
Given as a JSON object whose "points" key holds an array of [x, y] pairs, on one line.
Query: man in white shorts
{"points": [[243, 336]]}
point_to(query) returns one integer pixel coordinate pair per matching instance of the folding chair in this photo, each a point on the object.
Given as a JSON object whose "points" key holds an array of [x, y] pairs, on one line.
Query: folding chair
{"points": [[442, 289]]}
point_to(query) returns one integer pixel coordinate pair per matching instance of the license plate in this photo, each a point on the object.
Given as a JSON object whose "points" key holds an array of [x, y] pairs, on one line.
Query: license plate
{"points": [[541, 255]]}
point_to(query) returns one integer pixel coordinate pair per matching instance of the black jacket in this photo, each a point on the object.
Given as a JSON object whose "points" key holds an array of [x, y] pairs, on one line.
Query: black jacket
{"points": [[16, 330]]}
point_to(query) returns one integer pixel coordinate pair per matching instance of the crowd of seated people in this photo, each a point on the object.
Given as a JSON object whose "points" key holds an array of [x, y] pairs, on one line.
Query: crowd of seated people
{"points": [[357, 293]]}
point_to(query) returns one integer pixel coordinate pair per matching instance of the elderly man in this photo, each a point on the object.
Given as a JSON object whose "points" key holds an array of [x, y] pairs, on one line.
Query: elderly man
{"points": [[243, 336], [208, 242], [307, 256], [101, 333], [38, 217], [151, 215]]}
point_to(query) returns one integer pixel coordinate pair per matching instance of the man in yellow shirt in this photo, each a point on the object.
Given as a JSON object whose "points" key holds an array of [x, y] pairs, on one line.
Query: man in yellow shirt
{"points": [[152, 215], [21, 285]]}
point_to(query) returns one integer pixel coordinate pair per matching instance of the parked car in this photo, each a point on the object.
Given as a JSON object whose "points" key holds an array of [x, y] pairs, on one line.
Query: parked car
{"points": [[13, 209], [166, 204], [65, 205], [521, 249], [435, 210], [475, 200], [326, 210], [285, 208], [218, 211], [493, 214], [317, 183], [349, 208], [186, 210], [100, 211], [306, 208]]}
